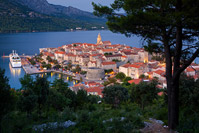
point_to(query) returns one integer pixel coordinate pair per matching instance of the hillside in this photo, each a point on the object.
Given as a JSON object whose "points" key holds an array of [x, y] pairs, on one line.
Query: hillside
{"points": [[19, 17]]}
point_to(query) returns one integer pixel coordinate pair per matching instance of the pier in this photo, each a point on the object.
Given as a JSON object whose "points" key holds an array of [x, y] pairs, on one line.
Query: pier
{"points": [[22, 56]]}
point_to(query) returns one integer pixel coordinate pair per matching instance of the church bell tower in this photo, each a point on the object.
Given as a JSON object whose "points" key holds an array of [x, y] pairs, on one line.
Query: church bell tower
{"points": [[99, 39]]}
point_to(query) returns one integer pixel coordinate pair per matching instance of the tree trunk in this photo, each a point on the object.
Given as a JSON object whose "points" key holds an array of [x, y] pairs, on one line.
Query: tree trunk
{"points": [[173, 104]]}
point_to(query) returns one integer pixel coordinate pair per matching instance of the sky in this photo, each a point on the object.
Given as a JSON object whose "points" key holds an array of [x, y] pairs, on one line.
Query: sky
{"points": [[84, 5]]}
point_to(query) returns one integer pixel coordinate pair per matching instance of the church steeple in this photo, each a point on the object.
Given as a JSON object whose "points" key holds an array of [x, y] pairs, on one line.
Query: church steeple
{"points": [[99, 39]]}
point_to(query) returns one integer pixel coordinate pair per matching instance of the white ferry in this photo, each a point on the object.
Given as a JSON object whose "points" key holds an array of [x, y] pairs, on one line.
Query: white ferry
{"points": [[15, 60]]}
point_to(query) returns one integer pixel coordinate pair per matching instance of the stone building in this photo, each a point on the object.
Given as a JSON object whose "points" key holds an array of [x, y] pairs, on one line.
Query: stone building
{"points": [[94, 73]]}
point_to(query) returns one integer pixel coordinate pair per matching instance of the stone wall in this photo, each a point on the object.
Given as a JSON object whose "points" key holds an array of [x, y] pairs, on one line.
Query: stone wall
{"points": [[95, 73]]}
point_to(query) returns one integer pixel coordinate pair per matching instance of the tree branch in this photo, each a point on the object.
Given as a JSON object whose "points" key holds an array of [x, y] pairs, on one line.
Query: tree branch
{"points": [[186, 64]]}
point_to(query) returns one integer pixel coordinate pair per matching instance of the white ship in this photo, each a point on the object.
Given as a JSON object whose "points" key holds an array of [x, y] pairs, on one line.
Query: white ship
{"points": [[15, 60]]}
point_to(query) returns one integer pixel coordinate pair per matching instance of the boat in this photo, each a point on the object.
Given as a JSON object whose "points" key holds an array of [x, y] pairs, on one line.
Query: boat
{"points": [[15, 60]]}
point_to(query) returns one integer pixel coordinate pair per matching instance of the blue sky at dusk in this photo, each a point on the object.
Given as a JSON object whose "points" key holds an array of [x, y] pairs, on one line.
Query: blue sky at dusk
{"points": [[80, 4]]}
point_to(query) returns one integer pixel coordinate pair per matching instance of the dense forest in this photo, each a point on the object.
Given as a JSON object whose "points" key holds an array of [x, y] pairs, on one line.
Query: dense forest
{"points": [[124, 108]]}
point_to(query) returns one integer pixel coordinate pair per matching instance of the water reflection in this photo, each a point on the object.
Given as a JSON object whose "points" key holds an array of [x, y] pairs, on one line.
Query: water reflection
{"points": [[15, 72], [52, 76]]}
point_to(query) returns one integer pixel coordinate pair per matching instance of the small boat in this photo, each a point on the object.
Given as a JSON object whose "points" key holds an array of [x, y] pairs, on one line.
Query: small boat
{"points": [[15, 60]]}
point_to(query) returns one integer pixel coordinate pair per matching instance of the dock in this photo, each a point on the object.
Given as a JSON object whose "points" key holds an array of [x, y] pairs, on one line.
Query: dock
{"points": [[22, 56]]}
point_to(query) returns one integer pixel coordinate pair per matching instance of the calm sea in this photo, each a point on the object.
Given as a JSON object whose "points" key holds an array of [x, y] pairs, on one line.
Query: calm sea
{"points": [[29, 44]]}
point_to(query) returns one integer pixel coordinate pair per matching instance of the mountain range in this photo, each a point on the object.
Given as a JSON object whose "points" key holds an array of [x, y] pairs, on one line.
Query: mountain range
{"points": [[39, 15]]}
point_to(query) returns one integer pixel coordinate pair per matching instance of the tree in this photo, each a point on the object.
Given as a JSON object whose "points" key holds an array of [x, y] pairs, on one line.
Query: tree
{"points": [[142, 76], [81, 97], [57, 66], [62, 88], [126, 79], [172, 23], [144, 93], [41, 90], [55, 61], [49, 59], [81, 79], [115, 95], [77, 68], [48, 66], [120, 76], [188, 102], [26, 82], [69, 66], [27, 100], [6, 96]]}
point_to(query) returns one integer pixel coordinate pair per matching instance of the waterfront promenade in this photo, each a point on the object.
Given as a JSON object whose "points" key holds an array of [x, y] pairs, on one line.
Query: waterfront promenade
{"points": [[30, 69]]}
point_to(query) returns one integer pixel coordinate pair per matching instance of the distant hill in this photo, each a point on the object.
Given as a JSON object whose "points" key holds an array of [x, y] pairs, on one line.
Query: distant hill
{"points": [[39, 15]]}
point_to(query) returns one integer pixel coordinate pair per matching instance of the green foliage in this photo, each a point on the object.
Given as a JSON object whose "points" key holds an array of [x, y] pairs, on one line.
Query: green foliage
{"points": [[47, 66], [83, 72], [114, 95], [49, 59], [78, 68], [142, 76], [108, 70], [188, 101], [69, 66], [27, 101], [116, 60], [32, 61], [153, 47], [105, 54], [126, 79], [26, 82], [55, 61], [144, 93], [81, 97], [120, 76], [57, 66], [7, 98], [110, 81]]}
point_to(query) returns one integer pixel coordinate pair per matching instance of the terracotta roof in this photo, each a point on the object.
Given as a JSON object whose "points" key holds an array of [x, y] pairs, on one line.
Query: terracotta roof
{"points": [[109, 50], [116, 55], [96, 54], [88, 44], [126, 50], [108, 63], [135, 66], [115, 45], [135, 81], [48, 54], [150, 73], [79, 84], [124, 56], [93, 62], [160, 72], [195, 76], [126, 65], [60, 52], [127, 47], [69, 54], [160, 93], [190, 69], [95, 89], [129, 53], [106, 41]]}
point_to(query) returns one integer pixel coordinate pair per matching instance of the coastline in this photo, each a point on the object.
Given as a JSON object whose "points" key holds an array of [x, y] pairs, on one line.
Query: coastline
{"points": [[15, 32]]}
